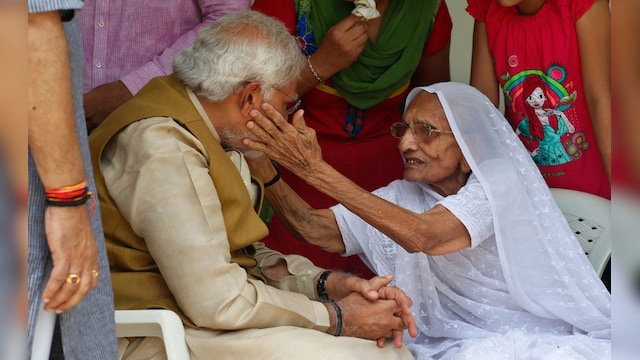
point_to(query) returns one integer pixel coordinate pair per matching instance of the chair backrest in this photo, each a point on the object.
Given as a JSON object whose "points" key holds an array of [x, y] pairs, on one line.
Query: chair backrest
{"points": [[161, 323], [589, 216]]}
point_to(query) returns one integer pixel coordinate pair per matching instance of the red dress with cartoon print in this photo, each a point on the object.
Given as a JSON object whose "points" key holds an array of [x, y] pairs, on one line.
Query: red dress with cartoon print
{"points": [[537, 64]]}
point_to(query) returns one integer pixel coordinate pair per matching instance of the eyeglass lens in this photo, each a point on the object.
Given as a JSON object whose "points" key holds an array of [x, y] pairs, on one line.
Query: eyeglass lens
{"points": [[293, 104], [398, 129]]}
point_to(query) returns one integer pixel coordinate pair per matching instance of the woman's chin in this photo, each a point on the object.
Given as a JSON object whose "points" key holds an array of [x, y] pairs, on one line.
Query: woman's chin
{"points": [[412, 175]]}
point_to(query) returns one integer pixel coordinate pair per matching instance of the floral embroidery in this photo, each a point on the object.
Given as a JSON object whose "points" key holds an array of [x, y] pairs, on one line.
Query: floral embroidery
{"points": [[305, 37], [354, 120], [304, 29]]}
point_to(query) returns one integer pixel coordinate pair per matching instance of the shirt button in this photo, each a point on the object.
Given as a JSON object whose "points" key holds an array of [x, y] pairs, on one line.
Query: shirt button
{"points": [[101, 23], [98, 65]]}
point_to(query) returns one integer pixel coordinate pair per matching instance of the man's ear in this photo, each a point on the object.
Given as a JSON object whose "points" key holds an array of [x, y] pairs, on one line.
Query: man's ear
{"points": [[250, 97]]}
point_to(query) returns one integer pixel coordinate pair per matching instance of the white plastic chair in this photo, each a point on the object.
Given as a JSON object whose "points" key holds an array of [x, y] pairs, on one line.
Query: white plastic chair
{"points": [[589, 216], [161, 323]]}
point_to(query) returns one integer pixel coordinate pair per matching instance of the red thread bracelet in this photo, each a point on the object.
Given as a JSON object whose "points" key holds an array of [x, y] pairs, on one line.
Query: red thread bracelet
{"points": [[72, 195]]}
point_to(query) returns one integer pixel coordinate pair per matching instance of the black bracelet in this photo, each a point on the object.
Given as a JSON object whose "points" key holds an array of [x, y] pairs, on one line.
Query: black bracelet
{"points": [[321, 286], [274, 180], [338, 318], [79, 202]]}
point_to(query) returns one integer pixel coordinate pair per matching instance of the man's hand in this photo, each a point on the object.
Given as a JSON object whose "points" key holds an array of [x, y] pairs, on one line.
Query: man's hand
{"points": [[101, 101], [74, 251], [370, 319], [56, 152], [340, 286]]}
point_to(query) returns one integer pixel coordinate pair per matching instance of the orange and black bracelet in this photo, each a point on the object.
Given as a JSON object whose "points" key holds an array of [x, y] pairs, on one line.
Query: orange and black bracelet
{"points": [[73, 195]]}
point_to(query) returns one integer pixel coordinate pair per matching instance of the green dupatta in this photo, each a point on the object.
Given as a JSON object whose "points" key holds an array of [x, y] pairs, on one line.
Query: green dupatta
{"points": [[383, 66]]}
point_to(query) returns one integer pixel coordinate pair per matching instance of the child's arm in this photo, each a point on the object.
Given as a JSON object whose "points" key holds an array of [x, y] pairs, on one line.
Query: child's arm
{"points": [[594, 42], [483, 75], [434, 68]]}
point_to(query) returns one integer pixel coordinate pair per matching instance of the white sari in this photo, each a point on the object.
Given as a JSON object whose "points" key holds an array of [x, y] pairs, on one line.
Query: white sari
{"points": [[523, 291]]}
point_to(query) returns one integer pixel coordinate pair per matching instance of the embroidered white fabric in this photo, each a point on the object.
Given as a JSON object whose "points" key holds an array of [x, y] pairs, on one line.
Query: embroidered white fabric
{"points": [[523, 291], [471, 206]]}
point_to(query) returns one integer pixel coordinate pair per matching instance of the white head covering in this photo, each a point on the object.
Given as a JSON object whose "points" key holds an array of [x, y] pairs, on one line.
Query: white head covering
{"points": [[540, 257]]}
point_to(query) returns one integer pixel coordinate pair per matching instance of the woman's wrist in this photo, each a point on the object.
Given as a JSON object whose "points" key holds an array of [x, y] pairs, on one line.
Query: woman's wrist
{"points": [[273, 180], [264, 169], [314, 72]]}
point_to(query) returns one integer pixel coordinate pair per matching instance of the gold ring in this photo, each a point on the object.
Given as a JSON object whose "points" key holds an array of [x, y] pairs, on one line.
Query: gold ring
{"points": [[73, 279], [95, 274]]}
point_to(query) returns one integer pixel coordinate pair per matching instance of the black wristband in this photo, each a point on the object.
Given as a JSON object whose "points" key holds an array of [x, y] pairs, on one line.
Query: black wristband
{"points": [[274, 180], [321, 286], [79, 202], [338, 318]]}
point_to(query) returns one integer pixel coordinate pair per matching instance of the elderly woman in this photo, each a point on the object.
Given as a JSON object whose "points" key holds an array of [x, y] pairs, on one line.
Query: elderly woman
{"points": [[471, 233]]}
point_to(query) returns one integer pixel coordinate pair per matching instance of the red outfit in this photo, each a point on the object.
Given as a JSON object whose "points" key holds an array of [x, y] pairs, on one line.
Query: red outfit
{"points": [[545, 45], [370, 158]]}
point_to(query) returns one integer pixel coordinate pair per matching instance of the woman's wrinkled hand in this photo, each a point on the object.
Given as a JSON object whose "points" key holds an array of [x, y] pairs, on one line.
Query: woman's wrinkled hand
{"points": [[293, 146], [405, 302]]}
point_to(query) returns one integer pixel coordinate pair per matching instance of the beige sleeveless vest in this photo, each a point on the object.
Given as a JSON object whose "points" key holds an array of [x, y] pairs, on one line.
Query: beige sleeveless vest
{"points": [[137, 283]]}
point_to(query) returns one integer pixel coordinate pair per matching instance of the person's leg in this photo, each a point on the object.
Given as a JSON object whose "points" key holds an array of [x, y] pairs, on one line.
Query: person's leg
{"points": [[286, 342]]}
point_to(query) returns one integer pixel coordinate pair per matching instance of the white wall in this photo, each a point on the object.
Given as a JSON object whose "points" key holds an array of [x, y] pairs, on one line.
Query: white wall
{"points": [[462, 44], [461, 41]]}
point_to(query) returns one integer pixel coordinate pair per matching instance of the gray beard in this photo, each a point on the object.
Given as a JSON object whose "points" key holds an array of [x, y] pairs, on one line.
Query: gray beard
{"points": [[231, 140]]}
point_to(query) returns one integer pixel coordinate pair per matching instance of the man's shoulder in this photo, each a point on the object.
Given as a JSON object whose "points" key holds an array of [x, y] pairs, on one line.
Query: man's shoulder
{"points": [[154, 128]]}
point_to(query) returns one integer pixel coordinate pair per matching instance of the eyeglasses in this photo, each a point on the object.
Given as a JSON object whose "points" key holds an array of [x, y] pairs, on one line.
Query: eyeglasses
{"points": [[294, 102], [422, 132]]}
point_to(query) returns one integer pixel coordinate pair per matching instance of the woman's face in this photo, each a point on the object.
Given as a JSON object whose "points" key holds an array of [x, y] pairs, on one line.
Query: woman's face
{"points": [[436, 160]]}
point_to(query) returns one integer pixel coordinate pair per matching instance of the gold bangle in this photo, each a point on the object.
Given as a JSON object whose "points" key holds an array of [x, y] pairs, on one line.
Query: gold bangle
{"points": [[313, 71]]}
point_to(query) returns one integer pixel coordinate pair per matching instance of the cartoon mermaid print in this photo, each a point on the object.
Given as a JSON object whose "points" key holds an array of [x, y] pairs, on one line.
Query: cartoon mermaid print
{"points": [[544, 124]]}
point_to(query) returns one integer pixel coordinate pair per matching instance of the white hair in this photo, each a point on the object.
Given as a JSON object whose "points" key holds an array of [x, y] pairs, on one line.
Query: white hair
{"points": [[236, 49]]}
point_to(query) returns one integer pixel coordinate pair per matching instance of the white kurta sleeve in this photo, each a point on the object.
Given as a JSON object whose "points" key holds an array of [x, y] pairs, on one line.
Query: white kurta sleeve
{"points": [[471, 206]]}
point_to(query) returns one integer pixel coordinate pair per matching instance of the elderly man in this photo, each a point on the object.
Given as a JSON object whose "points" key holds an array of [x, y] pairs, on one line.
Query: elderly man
{"points": [[181, 213]]}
